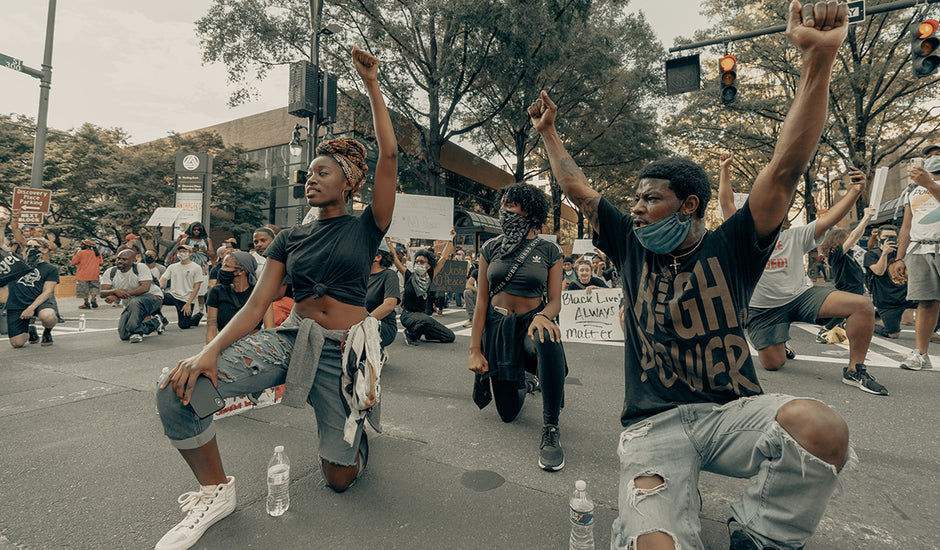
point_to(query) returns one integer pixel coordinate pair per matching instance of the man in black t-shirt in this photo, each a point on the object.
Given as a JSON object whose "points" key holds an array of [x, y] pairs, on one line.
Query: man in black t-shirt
{"points": [[30, 295], [692, 398]]}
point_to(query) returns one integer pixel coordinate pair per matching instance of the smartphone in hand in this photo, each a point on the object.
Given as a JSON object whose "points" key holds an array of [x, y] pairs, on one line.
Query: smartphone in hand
{"points": [[205, 399]]}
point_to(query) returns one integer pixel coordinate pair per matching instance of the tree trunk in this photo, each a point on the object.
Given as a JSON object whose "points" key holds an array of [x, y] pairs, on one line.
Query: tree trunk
{"points": [[809, 200], [556, 204]]}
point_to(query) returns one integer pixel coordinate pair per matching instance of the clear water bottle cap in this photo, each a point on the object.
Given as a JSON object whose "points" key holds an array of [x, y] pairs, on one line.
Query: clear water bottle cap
{"points": [[580, 485], [279, 449]]}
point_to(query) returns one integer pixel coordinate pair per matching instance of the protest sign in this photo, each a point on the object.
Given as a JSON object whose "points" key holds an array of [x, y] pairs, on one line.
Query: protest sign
{"points": [[878, 186], [164, 217], [452, 277], [241, 403], [740, 199], [583, 246], [550, 237], [593, 317], [422, 217]]}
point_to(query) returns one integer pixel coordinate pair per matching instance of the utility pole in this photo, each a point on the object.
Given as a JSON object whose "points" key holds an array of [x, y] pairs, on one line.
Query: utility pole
{"points": [[45, 83]]}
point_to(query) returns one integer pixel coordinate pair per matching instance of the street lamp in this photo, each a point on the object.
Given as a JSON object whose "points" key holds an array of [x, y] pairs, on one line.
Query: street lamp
{"points": [[296, 143]]}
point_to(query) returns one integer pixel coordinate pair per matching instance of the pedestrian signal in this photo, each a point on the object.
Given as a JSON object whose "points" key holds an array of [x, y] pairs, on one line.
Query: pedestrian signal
{"points": [[729, 78], [924, 47]]}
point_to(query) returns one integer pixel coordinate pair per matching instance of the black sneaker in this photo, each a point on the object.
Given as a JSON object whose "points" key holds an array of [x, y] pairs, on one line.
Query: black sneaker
{"points": [[551, 455], [94, 305], [790, 353], [862, 380], [47, 337], [33, 336], [411, 340], [821, 338], [740, 540]]}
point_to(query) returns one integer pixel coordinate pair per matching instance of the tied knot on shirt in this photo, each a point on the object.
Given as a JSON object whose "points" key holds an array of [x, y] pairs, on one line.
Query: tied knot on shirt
{"points": [[319, 291]]}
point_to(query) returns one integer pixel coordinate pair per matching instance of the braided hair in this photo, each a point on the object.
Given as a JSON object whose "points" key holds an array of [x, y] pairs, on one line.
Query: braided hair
{"points": [[351, 157]]}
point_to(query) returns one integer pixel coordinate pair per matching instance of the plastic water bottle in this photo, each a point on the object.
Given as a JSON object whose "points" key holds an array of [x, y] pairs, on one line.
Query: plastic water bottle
{"points": [[278, 483], [582, 518], [81, 323]]}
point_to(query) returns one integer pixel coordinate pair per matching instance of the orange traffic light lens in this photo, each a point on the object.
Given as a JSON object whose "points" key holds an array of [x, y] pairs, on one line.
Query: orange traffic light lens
{"points": [[727, 62], [927, 28], [926, 48], [727, 79]]}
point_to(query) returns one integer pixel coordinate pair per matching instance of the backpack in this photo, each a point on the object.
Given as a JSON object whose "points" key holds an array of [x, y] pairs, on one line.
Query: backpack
{"points": [[114, 269]]}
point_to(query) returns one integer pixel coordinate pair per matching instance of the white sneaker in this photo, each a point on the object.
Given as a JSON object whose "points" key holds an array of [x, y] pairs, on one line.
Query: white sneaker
{"points": [[203, 508], [916, 361], [136, 338]]}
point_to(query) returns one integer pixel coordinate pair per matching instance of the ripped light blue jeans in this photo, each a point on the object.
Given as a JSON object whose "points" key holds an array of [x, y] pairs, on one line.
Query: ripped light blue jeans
{"points": [[740, 439]]}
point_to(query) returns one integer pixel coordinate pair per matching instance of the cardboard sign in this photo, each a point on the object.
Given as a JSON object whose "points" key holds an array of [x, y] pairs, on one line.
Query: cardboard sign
{"points": [[164, 217], [452, 277], [593, 317], [422, 217], [583, 246], [31, 200], [550, 237], [241, 403], [878, 187]]}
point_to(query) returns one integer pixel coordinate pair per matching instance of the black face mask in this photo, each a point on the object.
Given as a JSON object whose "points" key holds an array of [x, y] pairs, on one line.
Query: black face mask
{"points": [[226, 277], [148, 259], [33, 256]]}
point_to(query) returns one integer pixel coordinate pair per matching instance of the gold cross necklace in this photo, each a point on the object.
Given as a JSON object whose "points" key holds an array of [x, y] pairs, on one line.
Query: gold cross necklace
{"points": [[675, 259]]}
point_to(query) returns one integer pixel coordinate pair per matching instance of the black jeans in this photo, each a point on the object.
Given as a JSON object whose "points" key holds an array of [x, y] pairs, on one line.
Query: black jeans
{"points": [[550, 365], [421, 324], [185, 321]]}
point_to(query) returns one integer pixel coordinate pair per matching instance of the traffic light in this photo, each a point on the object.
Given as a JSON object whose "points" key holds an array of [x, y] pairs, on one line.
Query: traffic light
{"points": [[729, 78], [924, 46]]}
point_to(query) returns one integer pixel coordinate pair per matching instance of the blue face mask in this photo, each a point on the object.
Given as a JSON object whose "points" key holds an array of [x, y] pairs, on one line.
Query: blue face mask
{"points": [[932, 164], [665, 235]]}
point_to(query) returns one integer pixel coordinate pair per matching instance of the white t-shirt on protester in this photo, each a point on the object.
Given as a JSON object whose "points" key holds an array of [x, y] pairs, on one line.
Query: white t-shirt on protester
{"points": [[785, 275], [128, 280], [925, 222], [183, 278]]}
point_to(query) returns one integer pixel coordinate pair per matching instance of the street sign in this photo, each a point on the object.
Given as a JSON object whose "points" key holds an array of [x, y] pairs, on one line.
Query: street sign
{"points": [[683, 75], [11, 62], [856, 11], [32, 200]]}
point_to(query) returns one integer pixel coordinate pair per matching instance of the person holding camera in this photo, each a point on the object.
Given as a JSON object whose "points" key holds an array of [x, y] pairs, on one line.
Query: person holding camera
{"points": [[888, 293]]}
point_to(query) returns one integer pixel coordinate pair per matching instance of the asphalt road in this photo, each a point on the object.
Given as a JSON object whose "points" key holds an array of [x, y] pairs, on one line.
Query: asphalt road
{"points": [[85, 464]]}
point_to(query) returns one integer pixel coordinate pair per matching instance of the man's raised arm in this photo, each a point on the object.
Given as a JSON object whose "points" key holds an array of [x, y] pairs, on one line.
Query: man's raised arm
{"points": [[569, 175], [818, 30]]}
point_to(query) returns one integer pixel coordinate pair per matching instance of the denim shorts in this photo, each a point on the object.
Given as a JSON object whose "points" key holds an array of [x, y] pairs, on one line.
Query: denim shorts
{"points": [[739, 439], [251, 365], [771, 325]]}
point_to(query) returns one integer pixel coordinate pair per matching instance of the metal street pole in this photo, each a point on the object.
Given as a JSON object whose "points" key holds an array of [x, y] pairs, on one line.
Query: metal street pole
{"points": [[316, 9], [869, 10], [45, 82]]}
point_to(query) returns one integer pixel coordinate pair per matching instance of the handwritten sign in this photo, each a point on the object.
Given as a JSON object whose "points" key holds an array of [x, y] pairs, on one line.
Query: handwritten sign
{"points": [[422, 217], [452, 277], [593, 317], [33, 200]]}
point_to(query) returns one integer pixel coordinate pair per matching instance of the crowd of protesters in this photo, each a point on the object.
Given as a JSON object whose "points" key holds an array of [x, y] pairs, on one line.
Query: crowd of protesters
{"points": [[343, 290]]}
